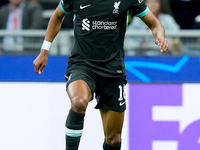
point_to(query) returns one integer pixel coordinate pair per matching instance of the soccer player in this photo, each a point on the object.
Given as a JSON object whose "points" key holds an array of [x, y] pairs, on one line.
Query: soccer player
{"points": [[96, 64]]}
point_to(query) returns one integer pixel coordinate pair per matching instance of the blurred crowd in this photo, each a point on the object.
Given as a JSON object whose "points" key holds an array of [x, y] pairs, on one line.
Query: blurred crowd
{"points": [[16, 15], [34, 14], [175, 15]]}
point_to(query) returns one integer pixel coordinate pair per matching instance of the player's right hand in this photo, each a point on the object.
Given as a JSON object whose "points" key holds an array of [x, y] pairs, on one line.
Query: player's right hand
{"points": [[162, 43], [41, 61]]}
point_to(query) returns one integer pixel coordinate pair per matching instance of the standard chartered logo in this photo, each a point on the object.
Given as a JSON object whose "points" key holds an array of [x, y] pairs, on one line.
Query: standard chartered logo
{"points": [[86, 24], [104, 25], [99, 25]]}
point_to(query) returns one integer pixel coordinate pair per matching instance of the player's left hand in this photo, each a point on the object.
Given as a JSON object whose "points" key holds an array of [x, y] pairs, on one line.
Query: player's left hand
{"points": [[162, 43]]}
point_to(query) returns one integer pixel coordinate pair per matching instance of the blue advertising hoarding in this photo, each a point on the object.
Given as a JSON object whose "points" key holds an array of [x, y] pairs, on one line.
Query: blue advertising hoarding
{"points": [[163, 69], [183, 69]]}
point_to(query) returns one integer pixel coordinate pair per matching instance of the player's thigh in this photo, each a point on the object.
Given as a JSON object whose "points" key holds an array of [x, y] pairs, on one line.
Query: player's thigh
{"points": [[112, 122], [80, 87], [80, 94]]}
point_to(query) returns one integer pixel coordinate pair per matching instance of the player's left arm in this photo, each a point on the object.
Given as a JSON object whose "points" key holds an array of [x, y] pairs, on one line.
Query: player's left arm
{"points": [[158, 31]]}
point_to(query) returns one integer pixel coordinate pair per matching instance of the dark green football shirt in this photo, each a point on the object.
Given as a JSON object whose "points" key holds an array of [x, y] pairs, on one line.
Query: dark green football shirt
{"points": [[99, 29]]}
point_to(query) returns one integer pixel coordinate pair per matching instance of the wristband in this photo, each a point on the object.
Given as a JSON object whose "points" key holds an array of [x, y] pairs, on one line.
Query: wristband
{"points": [[46, 45]]}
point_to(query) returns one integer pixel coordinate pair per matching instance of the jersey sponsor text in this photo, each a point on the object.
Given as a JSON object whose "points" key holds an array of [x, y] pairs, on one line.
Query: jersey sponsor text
{"points": [[99, 25], [104, 25]]}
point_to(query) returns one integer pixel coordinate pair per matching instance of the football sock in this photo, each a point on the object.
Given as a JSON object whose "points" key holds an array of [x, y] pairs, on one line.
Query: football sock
{"points": [[73, 129], [108, 147]]}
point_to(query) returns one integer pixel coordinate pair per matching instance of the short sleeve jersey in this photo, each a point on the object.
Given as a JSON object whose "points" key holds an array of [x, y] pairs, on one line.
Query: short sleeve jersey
{"points": [[99, 29]]}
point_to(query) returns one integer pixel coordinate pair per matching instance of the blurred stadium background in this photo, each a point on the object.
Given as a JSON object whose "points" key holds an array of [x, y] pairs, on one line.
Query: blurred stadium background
{"points": [[163, 95]]}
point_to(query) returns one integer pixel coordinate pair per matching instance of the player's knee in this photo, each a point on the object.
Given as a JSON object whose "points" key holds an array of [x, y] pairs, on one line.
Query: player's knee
{"points": [[114, 140], [79, 104]]}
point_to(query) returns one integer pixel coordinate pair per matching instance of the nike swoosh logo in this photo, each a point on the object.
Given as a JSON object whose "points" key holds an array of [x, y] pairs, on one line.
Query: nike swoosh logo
{"points": [[82, 7], [122, 103]]}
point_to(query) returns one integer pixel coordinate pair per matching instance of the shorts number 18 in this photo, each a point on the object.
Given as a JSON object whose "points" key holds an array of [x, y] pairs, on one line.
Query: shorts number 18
{"points": [[122, 94]]}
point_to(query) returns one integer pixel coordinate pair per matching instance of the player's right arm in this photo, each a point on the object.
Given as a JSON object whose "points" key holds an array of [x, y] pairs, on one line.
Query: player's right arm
{"points": [[53, 28], [158, 31]]}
